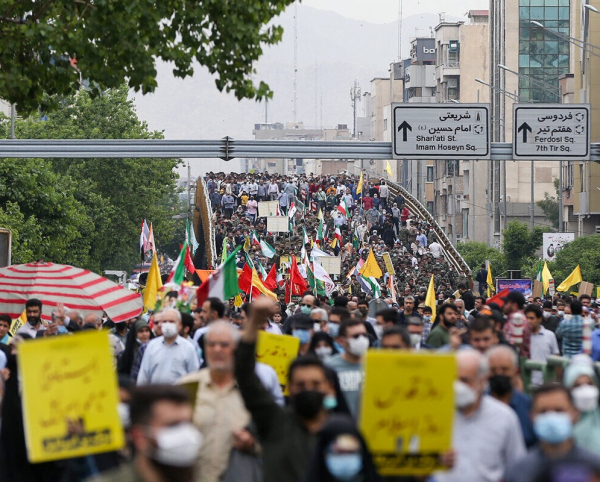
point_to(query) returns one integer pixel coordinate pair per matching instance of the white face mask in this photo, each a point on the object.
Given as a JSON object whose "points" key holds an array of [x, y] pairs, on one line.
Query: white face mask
{"points": [[546, 315], [169, 330], [464, 395], [378, 331], [567, 316], [358, 346], [178, 446], [561, 313], [585, 398], [415, 339], [123, 410], [323, 352]]}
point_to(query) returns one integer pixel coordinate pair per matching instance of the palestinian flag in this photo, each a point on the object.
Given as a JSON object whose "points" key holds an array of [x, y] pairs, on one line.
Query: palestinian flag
{"points": [[223, 283], [370, 286]]}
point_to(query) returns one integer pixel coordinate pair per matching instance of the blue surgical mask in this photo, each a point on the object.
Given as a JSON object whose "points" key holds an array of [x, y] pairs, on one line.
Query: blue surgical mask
{"points": [[302, 335], [329, 402], [334, 329], [305, 310], [553, 427], [344, 466]]}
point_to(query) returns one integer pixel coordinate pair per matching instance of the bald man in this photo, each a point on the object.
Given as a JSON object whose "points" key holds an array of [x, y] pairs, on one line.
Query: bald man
{"points": [[478, 418]]}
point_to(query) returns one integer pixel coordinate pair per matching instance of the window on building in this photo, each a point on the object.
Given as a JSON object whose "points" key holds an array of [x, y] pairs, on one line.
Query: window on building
{"points": [[429, 173], [385, 124], [430, 207], [581, 183], [465, 223], [543, 57], [452, 168]]}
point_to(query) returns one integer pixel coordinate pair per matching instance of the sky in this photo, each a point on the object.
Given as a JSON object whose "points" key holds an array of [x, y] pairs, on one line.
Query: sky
{"points": [[385, 11]]}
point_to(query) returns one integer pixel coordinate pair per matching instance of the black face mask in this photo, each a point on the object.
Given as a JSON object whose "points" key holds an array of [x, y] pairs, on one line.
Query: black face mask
{"points": [[308, 403], [500, 385]]}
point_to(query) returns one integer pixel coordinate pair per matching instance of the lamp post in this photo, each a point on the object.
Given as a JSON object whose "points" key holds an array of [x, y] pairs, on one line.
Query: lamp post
{"points": [[545, 86]]}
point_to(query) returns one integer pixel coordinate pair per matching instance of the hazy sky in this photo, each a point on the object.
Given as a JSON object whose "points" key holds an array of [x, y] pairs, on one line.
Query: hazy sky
{"points": [[384, 11]]}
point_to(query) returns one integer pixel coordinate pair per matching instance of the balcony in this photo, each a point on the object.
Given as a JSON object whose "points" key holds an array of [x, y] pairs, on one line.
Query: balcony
{"points": [[447, 69]]}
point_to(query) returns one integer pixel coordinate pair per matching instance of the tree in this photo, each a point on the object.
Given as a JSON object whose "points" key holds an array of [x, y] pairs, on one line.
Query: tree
{"points": [[475, 254], [550, 205], [585, 252], [25, 233], [34, 194], [109, 197], [51, 46], [520, 243]]}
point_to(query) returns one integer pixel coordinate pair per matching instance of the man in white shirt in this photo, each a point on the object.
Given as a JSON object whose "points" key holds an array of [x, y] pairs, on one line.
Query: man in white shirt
{"points": [[436, 249], [543, 341], [170, 356], [486, 436]]}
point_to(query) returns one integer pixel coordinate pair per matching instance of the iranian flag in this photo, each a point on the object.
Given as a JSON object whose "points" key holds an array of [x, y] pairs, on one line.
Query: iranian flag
{"points": [[267, 250], [254, 238], [184, 261], [343, 207], [223, 283]]}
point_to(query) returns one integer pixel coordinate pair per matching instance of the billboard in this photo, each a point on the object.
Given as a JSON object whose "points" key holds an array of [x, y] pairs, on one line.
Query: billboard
{"points": [[525, 286], [553, 243]]}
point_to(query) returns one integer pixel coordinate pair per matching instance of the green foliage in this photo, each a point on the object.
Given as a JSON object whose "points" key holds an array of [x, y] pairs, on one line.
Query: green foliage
{"points": [[89, 210], [25, 232], [476, 253], [585, 252], [117, 41], [520, 243], [550, 207]]}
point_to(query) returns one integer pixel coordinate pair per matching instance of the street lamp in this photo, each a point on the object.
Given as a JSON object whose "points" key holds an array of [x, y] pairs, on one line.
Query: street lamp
{"points": [[506, 93], [578, 43], [540, 83], [591, 7]]}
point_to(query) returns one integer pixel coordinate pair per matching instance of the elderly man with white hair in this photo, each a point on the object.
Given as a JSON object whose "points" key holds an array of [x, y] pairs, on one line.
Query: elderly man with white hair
{"points": [[170, 356], [486, 435], [219, 410]]}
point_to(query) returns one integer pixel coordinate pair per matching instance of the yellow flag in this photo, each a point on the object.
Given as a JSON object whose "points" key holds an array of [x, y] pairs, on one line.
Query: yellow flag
{"points": [[573, 279], [388, 169], [153, 284], [247, 244], [238, 302], [430, 298], [371, 268], [546, 277], [258, 284], [489, 281], [360, 184]]}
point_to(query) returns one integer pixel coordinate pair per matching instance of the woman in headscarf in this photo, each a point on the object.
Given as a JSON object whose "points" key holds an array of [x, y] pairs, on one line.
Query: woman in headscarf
{"points": [[341, 454], [136, 337], [581, 380], [321, 345]]}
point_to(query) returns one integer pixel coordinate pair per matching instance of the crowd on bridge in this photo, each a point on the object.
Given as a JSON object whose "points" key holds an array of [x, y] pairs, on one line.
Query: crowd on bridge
{"points": [[197, 405]]}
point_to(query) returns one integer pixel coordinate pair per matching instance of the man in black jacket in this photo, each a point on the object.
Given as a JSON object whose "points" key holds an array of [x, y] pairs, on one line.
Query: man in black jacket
{"points": [[467, 296], [287, 435], [481, 278]]}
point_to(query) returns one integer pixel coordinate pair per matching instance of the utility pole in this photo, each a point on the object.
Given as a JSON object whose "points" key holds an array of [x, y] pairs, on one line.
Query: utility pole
{"points": [[355, 94], [12, 121], [295, 60], [400, 30]]}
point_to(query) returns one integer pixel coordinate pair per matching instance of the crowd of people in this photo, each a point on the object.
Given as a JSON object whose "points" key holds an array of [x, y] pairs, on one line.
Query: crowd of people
{"points": [[374, 219], [197, 405]]}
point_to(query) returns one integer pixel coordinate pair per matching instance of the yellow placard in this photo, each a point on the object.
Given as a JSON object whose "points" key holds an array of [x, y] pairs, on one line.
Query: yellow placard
{"points": [[389, 266], [69, 396], [277, 351], [407, 406], [17, 324]]}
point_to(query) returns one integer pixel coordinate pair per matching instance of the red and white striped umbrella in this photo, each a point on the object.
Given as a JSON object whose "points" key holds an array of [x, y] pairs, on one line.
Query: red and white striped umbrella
{"points": [[78, 289]]}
